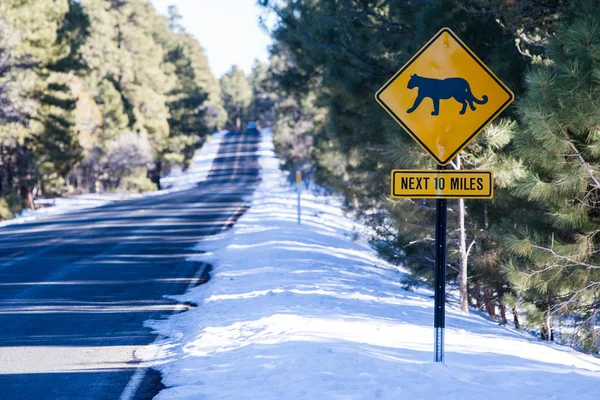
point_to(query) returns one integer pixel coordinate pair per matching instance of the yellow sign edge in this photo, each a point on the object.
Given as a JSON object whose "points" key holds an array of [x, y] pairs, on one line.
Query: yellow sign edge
{"points": [[441, 171], [479, 130]]}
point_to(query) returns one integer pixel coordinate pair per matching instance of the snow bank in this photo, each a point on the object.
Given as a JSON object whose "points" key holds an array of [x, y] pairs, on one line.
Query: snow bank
{"points": [[304, 312], [176, 181], [200, 166]]}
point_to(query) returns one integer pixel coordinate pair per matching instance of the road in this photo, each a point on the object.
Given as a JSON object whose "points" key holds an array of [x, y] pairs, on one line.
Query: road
{"points": [[76, 289]]}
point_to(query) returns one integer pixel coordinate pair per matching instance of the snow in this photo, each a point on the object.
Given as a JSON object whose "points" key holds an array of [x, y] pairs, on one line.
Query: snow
{"points": [[175, 181], [310, 312], [200, 166]]}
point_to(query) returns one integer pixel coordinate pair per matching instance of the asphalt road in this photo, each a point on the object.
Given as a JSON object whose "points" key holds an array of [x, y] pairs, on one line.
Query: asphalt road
{"points": [[76, 289]]}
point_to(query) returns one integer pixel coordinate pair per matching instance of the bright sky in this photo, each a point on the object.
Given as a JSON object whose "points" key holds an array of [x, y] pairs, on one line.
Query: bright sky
{"points": [[227, 29]]}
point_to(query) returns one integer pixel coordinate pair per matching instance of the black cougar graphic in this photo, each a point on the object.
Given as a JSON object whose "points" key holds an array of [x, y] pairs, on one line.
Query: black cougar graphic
{"points": [[442, 89]]}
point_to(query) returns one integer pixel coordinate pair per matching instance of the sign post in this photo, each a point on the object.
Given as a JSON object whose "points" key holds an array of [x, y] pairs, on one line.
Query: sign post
{"points": [[439, 317], [443, 98], [299, 190]]}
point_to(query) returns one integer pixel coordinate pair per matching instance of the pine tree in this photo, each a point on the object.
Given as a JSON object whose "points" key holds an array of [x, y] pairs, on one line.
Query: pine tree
{"points": [[12, 119], [212, 108], [188, 98], [264, 95], [50, 35], [127, 75], [336, 59], [149, 76], [298, 122], [557, 266], [77, 76], [237, 96]]}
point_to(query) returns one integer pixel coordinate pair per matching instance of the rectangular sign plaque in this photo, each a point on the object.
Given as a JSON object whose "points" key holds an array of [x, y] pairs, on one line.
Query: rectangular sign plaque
{"points": [[442, 184]]}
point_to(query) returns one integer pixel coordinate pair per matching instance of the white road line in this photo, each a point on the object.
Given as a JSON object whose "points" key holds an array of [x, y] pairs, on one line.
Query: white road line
{"points": [[136, 380], [133, 384]]}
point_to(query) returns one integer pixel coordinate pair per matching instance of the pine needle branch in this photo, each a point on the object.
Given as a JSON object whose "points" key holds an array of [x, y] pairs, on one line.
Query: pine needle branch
{"points": [[571, 261], [427, 239], [575, 295], [585, 164]]}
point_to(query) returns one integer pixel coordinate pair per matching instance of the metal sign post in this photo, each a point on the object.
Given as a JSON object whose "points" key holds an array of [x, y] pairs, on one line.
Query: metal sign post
{"points": [[439, 315], [299, 190]]}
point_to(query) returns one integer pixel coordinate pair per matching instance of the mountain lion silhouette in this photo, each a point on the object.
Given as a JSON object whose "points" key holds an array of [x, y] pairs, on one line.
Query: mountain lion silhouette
{"points": [[442, 89]]}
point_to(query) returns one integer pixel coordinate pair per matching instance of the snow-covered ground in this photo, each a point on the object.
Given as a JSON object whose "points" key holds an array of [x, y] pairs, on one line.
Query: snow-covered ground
{"points": [[309, 312], [199, 168], [177, 180]]}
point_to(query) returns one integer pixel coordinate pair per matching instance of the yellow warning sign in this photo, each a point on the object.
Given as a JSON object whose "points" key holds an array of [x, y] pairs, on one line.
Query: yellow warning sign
{"points": [[442, 184], [444, 96]]}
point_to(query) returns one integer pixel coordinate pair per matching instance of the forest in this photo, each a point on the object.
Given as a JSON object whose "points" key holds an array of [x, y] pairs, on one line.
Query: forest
{"points": [[530, 256], [101, 96], [106, 95]]}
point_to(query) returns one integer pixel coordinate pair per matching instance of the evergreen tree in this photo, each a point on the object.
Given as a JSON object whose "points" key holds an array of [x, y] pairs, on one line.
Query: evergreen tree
{"points": [[237, 96], [264, 95], [140, 76], [215, 115], [298, 122], [50, 34], [76, 76], [12, 117], [337, 59], [189, 97], [557, 268], [147, 75]]}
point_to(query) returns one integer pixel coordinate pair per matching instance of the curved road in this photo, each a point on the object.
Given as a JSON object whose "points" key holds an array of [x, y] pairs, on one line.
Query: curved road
{"points": [[76, 289]]}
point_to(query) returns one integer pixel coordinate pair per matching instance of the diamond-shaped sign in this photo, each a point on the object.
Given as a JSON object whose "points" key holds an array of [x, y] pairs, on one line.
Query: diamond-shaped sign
{"points": [[444, 96]]}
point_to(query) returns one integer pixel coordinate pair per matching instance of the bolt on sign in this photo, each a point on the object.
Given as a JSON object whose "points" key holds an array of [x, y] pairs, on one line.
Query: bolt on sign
{"points": [[447, 184], [444, 96]]}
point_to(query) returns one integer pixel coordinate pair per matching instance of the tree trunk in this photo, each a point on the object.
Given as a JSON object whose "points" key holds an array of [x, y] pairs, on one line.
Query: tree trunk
{"points": [[462, 253], [463, 259], [155, 173], [548, 334], [503, 320], [486, 220], [490, 304], [478, 301], [515, 313], [79, 180], [27, 196]]}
